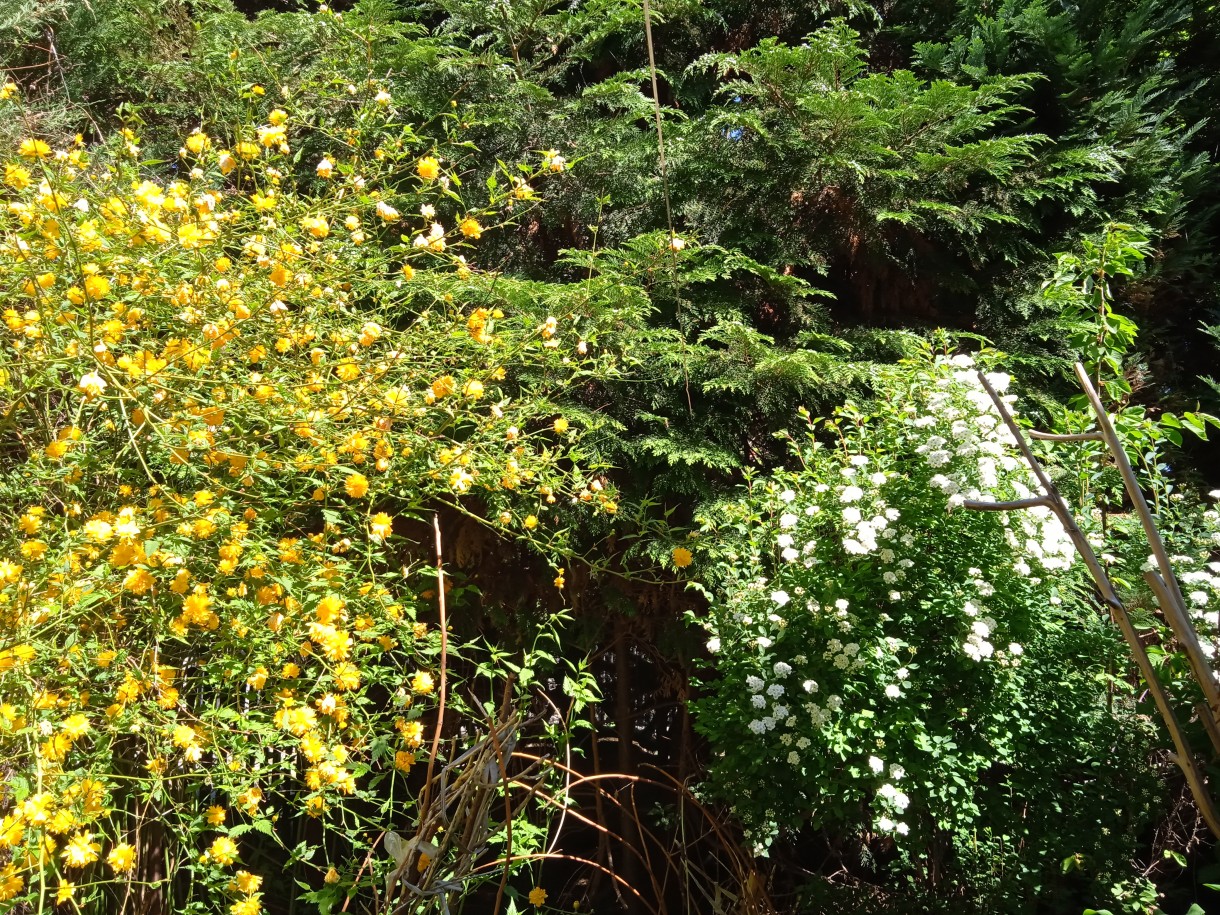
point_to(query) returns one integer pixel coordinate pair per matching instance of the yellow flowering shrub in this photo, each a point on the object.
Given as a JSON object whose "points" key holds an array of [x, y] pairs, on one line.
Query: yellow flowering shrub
{"points": [[226, 394]]}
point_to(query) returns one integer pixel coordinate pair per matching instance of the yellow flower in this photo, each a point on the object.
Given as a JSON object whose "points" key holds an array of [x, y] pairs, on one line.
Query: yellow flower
{"points": [[8, 90], [198, 142], [122, 858], [325, 168], [65, 892], [330, 609], [246, 882], [444, 386], [682, 557], [380, 525], [276, 117], [184, 735], [422, 682], [473, 389], [317, 226], [258, 679], [91, 385], [470, 228], [537, 896], [387, 212], [99, 531], [332, 876], [403, 761], [357, 485], [81, 851], [290, 671], [76, 726], [12, 883], [347, 676], [530, 522], [33, 549], [428, 168], [248, 906], [97, 287], [251, 799], [34, 149], [16, 177], [216, 815], [223, 851], [561, 425]]}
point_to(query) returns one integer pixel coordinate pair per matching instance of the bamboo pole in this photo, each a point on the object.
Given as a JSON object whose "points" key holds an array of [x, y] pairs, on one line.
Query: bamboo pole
{"points": [[1165, 585], [1055, 502]]}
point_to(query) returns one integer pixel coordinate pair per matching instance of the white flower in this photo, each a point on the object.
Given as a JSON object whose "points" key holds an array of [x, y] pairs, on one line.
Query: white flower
{"points": [[902, 673], [902, 829], [1198, 598], [859, 460], [763, 642], [794, 758], [851, 494], [784, 540], [775, 690], [754, 684], [713, 645], [780, 598], [1015, 649], [892, 691], [788, 520], [851, 515], [769, 723], [758, 700], [810, 686], [897, 773], [876, 764], [757, 727], [885, 824], [787, 495], [790, 555], [782, 669]]}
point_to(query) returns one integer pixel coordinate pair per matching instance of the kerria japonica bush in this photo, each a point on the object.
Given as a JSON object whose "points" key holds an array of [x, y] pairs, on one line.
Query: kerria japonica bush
{"points": [[882, 652]]}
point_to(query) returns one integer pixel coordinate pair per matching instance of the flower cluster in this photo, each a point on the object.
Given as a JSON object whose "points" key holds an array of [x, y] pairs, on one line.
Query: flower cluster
{"points": [[858, 594], [235, 388]]}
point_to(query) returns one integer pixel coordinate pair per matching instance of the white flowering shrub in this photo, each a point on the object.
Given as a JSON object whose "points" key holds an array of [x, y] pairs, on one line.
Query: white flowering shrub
{"points": [[887, 660]]}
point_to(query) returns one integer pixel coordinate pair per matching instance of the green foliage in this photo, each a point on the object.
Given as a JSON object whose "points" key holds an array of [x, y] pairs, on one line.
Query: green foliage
{"points": [[842, 177]]}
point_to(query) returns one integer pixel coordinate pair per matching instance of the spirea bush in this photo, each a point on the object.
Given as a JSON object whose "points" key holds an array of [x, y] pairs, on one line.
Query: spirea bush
{"points": [[225, 397], [888, 661]]}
